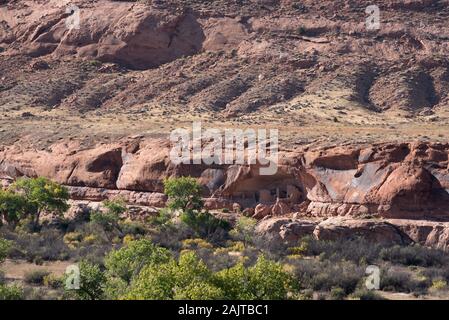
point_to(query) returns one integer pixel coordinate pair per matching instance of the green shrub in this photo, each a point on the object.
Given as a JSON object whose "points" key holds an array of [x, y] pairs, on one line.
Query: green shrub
{"points": [[438, 285], [53, 281], [36, 277], [337, 293], [73, 238], [198, 290], [357, 250], [5, 247], [11, 292]]}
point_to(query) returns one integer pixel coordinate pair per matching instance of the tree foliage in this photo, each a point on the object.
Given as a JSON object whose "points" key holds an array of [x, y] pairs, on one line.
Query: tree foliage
{"points": [[41, 195], [92, 282], [175, 280], [13, 206], [184, 193], [127, 262], [266, 280], [189, 278]]}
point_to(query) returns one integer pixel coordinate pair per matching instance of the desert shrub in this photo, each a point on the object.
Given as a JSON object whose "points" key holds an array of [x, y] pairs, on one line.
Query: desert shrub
{"points": [[204, 224], [115, 207], [5, 247], [325, 275], [196, 244], [266, 280], [11, 292], [171, 237], [36, 277], [127, 239], [365, 294], [125, 263], [109, 221], [92, 282], [244, 229], [35, 293], [132, 228], [89, 239], [337, 293], [53, 281], [162, 219], [91, 228], [48, 245], [401, 281], [436, 273], [73, 238], [438, 285], [414, 256], [357, 250], [94, 254]]}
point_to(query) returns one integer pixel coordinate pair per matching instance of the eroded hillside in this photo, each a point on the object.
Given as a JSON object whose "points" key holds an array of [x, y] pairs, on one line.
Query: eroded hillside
{"points": [[151, 66]]}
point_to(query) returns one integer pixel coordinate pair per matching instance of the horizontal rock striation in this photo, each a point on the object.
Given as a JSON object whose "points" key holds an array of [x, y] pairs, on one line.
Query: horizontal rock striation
{"points": [[407, 180]]}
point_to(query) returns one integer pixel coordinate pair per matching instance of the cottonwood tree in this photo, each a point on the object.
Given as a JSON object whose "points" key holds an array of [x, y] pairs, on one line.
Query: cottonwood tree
{"points": [[42, 195], [13, 207]]}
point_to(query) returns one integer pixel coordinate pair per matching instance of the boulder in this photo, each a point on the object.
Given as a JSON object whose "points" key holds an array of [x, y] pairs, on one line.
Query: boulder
{"points": [[339, 228], [261, 211]]}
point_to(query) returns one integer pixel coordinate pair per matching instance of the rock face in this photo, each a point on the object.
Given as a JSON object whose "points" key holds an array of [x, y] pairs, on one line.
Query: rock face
{"points": [[408, 180], [285, 229], [123, 32], [388, 232]]}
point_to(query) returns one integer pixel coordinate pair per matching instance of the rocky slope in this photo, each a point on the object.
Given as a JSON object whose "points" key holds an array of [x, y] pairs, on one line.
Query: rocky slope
{"points": [[230, 57]]}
